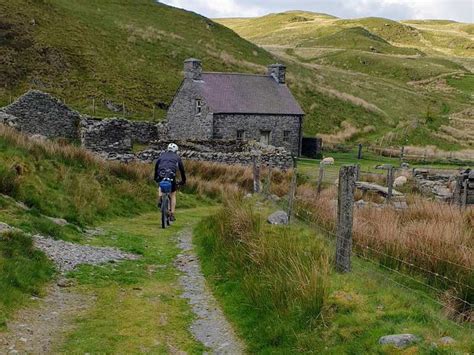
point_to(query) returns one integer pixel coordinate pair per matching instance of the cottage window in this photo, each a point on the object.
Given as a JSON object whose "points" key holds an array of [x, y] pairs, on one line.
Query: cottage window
{"points": [[198, 106], [286, 136], [265, 137], [240, 135]]}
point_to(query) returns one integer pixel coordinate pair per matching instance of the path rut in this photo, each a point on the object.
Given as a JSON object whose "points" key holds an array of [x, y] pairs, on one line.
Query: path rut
{"points": [[37, 330], [210, 326]]}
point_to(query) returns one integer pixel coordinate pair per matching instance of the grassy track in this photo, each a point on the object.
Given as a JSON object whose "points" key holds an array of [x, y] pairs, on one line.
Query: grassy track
{"points": [[138, 306]]}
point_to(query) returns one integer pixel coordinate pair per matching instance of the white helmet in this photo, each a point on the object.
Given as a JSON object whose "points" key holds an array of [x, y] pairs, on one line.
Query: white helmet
{"points": [[172, 147]]}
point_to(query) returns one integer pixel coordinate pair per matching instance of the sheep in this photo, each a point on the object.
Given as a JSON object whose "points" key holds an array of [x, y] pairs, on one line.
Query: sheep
{"points": [[327, 161], [400, 181]]}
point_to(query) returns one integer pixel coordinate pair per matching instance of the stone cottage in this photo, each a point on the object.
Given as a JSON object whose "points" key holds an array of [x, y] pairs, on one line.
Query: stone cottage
{"points": [[229, 106]]}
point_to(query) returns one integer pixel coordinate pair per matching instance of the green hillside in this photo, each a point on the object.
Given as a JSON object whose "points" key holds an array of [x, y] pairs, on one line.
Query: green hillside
{"points": [[127, 51], [410, 78]]}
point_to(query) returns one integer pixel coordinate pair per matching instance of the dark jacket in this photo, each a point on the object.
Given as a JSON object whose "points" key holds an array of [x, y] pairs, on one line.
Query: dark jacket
{"points": [[169, 161]]}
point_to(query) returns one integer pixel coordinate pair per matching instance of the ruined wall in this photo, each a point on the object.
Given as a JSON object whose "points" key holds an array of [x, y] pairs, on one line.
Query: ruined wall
{"points": [[113, 138], [40, 113], [110, 135]]}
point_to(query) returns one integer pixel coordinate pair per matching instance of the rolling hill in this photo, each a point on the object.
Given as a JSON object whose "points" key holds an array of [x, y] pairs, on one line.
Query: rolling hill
{"points": [[415, 78], [363, 79], [127, 51]]}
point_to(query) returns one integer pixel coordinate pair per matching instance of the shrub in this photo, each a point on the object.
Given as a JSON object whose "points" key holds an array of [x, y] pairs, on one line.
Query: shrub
{"points": [[8, 181]]}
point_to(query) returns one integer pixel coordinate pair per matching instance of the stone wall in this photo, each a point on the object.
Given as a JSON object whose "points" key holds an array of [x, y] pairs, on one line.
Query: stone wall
{"points": [[117, 134], [40, 113], [109, 135], [225, 152], [182, 119], [227, 125]]}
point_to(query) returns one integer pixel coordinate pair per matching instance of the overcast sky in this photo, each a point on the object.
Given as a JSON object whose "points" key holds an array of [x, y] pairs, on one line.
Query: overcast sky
{"points": [[458, 10]]}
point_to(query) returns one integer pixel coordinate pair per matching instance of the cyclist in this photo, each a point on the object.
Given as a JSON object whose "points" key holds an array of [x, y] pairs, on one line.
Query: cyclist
{"points": [[166, 167]]}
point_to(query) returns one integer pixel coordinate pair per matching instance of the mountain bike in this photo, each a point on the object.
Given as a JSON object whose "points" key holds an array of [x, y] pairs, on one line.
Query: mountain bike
{"points": [[165, 187]]}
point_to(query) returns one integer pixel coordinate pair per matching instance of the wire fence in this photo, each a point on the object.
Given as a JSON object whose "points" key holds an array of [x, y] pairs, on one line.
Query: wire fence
{"points": [[444, 272]]}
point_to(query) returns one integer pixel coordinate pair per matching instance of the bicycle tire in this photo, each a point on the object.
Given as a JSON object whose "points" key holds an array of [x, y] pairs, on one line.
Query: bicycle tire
{"points": [[164, 211]]}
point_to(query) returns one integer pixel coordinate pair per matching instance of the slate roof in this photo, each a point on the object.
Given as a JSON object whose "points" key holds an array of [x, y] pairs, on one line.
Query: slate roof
{"points": [[247, 94]]}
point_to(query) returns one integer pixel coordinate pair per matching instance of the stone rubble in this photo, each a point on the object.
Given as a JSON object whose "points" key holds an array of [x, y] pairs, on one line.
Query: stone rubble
{"points": [[434, 184], [68, 255]]}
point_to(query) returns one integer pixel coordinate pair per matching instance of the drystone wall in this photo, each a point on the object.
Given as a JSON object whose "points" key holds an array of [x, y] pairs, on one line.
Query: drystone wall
{"points": [[117, 134], [222, 152], [39, 113], [110, 135]]}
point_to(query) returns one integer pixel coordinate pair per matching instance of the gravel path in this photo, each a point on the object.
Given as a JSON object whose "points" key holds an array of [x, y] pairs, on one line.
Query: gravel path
{"points": [[38, 329], [68, 255], [210, 326]]}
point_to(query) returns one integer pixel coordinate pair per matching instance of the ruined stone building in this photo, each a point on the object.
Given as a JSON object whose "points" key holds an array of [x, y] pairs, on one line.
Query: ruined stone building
{"points": [[229, 106]]}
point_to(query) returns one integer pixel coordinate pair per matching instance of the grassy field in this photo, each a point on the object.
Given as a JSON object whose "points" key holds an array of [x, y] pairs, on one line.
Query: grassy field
{"points": [[280, 304]]}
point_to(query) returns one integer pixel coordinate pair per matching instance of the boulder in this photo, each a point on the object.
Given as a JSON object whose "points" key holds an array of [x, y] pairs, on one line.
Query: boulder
{"points": [[278, 217], [59, 221], [446, 341], [398, 340], [5, 228]]}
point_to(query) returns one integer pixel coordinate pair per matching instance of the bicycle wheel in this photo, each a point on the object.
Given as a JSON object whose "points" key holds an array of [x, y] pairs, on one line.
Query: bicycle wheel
{"points": [[164, 211]]}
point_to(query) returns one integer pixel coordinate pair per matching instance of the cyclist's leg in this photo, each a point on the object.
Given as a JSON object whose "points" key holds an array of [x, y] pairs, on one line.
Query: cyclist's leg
{"points": [[173, 202], [159, 196]]}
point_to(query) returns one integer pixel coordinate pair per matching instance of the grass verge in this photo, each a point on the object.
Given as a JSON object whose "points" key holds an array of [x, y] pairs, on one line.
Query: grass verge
{"points": [[23, 272], [356, 310]]}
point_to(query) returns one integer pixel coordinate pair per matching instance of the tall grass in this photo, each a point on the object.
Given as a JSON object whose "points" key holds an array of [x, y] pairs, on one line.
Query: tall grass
{"points": [[429, 238], [66, 181], [219, 180], [280, 273]]}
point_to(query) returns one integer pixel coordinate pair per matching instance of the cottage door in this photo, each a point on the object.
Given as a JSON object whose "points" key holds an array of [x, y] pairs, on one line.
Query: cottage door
{"points": [[265, 137]]}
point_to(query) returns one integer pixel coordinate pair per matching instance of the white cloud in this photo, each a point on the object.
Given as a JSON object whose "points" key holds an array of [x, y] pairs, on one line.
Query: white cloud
{"points": [[459, 10], [219, 8]]}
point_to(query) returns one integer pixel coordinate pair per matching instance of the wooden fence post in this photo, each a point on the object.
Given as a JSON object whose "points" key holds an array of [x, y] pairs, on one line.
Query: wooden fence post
{"points": [[256, 174], [359, 153], [153, 112], [457, 197], [357, 172], [464, 193], [320, 177], [389, 183], [345, 204], [269, 181], [291, 197], [123, 108]]}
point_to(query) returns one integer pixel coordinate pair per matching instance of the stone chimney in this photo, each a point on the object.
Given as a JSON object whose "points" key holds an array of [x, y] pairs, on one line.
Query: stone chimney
{"points": [[192, 69], [278, 72]]}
